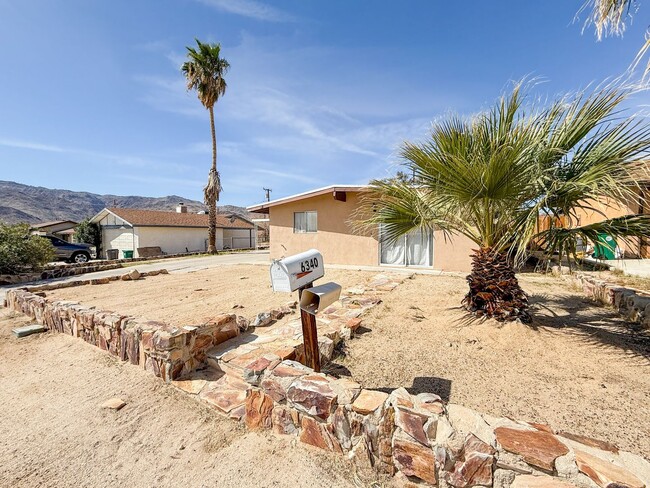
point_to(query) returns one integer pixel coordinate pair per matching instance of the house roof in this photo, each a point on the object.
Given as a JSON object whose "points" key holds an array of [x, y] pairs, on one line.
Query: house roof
{"points": [[263, 207], [54, 222], [156, 218]]}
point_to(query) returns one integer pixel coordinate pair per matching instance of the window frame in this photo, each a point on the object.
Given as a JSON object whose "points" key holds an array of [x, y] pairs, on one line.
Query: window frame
{"points": [[306, 230]]}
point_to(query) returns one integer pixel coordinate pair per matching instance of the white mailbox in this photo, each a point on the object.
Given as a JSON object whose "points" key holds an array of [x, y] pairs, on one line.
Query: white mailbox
{"points": [[296, 271], [318, 298]]}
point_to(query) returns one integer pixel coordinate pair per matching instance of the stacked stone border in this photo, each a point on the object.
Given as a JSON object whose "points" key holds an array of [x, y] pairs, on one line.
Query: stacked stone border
{"points": [[167, 351], [417, 438], [74, 269], [632, 304]]}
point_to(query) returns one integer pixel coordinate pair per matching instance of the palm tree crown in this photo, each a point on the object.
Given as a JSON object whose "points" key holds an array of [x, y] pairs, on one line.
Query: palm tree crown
{"points": [[205, 71], [490, 177]]}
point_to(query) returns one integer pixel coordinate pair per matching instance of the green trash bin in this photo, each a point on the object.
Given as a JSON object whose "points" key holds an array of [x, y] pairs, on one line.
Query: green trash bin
{"points": [[605, 248], [127, 254]]}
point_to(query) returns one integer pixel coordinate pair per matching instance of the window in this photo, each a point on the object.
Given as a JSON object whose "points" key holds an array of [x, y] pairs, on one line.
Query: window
{"points": [[305, 222]]}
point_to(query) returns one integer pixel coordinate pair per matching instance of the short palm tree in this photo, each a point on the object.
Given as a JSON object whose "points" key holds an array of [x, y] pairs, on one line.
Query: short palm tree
{"points": [[205, 70], [490, 178]]}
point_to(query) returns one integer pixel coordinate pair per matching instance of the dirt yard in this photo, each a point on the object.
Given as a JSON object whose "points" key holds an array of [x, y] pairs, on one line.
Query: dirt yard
{"points": [[577, 368], [190, 298], [55, 433]]}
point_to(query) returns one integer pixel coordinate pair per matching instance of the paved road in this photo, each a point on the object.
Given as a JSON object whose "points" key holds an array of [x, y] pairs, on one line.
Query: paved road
{"points": [[179, 265]]}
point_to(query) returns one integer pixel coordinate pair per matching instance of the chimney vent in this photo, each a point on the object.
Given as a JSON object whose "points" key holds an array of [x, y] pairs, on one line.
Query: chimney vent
{"points": [[181, 208]]}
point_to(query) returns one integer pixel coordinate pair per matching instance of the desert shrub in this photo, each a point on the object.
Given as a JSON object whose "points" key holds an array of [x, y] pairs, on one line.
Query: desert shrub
{"points": [[20, 251], [89, 233]]}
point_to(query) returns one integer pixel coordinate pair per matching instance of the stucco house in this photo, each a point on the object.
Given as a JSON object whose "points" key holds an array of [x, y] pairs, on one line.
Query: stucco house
{"points": [[323, 219], [141, 231]]}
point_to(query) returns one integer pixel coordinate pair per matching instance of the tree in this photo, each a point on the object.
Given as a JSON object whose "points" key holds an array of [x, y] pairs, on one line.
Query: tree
{"points": [[492, 176], [20, 251], [89, 232], [204, 72]]}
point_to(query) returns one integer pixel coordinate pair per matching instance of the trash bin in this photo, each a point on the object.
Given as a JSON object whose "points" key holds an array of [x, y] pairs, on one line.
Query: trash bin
{"points": [[605, 248], [112, 253], [127, 254]]}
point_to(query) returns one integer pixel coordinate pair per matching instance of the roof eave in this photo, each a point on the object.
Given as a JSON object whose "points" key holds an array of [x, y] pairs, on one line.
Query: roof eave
{"points": [[264, 206]]}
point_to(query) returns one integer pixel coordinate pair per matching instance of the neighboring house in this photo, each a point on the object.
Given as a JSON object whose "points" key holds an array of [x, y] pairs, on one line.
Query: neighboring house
{"points": [[636, 248], [323, 219], [608, 209], [141, 231], [63, 229]]}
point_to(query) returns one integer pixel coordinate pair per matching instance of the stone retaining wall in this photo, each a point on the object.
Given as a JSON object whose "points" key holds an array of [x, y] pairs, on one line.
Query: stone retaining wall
{"points": [[421, 440], [74, 269], [632, 304], [165, 350]]}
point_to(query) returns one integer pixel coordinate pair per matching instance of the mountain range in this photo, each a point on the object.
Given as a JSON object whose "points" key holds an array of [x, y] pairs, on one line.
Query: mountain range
{"points": [[34, 204]]}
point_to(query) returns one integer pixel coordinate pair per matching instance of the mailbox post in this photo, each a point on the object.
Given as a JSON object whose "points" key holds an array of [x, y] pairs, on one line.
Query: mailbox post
{"points": [[309, 335], [299, 272]]}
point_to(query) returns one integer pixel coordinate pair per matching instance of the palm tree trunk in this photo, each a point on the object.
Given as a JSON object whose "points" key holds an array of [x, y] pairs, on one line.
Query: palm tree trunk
{"points": [[214, 196], [494, 291]]}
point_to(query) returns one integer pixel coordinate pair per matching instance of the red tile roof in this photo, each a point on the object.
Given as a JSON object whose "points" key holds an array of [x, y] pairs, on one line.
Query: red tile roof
{"points": [[156, 218]]}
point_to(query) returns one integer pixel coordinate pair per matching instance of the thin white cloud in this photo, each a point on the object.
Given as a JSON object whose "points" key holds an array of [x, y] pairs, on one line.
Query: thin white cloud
{"points": [[286, 175], [170, 95], [119, 159], [251, 9], [36, 146]]}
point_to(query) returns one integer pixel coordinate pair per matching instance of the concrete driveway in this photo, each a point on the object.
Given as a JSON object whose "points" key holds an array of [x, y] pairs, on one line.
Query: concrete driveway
{"points": [[178, 265]]}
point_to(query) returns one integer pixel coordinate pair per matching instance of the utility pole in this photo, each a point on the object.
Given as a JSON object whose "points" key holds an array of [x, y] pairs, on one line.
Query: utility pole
{"points": [[268, 194]]}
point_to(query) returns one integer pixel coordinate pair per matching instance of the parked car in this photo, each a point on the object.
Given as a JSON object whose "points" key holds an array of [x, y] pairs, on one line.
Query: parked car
{"points": [[72, 253]]}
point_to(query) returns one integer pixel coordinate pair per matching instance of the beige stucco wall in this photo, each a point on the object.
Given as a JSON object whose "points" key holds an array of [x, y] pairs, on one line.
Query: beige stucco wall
{"points": [[338, 242], [174, 239], [335, 238], [120, 239], [239, 238], [452, 253]]}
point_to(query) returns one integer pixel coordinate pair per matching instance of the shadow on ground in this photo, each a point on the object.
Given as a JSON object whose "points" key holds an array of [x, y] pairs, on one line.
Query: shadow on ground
{"points": [[425, 384], [579, 318], [598, 326]]}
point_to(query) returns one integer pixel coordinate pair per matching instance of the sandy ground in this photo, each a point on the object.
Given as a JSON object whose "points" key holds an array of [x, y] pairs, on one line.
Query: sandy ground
{"points": [[577, 368], [190, 298], [55, 433]]}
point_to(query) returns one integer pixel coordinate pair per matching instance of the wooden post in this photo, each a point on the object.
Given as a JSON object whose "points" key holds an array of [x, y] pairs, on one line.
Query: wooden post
{"points": [[309, 336]]}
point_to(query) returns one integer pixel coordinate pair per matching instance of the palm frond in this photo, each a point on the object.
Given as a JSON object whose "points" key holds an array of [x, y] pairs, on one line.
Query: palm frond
{"points": [[609, 17], [204, 72], [212, 189]]}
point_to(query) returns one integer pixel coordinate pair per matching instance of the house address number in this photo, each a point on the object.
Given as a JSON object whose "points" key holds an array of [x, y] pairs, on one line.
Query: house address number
{"points": [[308, 264]]}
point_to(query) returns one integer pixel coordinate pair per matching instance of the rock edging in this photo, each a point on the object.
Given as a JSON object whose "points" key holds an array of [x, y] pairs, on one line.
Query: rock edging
{"points": [[633, 305]]}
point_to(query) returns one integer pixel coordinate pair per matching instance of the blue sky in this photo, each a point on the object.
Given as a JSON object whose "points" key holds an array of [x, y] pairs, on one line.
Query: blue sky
{"points": [[319, 92]]}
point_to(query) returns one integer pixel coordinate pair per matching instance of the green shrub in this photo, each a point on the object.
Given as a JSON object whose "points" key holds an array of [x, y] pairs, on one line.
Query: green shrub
{"points": [[89, 232], [20, 251]]}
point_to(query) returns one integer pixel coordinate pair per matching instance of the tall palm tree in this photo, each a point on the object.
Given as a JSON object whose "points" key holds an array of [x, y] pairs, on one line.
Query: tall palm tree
{"points": [[492, 176], [204, 71]]}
